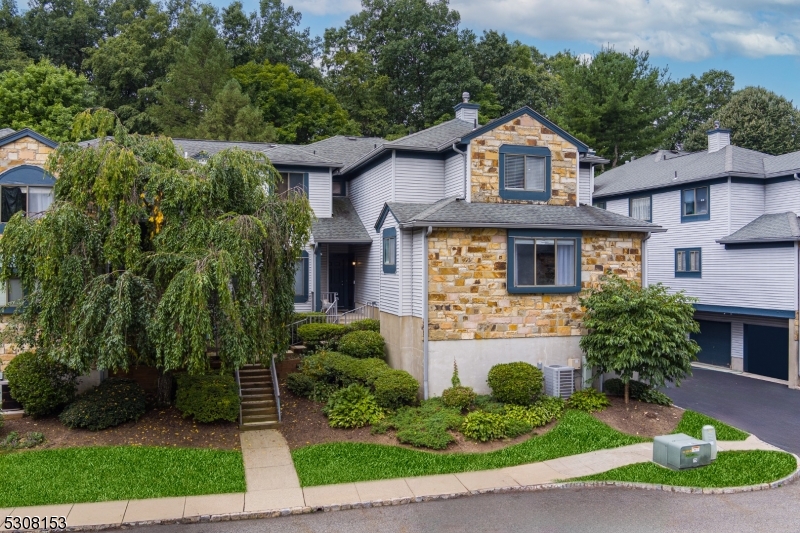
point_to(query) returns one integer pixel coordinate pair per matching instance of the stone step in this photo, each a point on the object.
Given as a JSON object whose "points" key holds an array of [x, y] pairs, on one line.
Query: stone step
{"points": [[253, 371], [257, 391], [248, 378], [261, 383], [260, 412], [249, 419], [255, 426]]}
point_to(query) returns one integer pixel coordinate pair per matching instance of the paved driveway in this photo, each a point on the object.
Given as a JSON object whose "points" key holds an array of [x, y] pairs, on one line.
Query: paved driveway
{"points": [[768, 410]]}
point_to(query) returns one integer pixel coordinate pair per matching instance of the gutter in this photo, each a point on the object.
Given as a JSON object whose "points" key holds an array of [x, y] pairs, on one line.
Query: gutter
{"points": [[506, 225], [425, 305]]}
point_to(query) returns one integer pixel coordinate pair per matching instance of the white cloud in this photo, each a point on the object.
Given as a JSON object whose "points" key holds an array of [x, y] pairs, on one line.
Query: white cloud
{"points": [[679, 29], [325, 7]]}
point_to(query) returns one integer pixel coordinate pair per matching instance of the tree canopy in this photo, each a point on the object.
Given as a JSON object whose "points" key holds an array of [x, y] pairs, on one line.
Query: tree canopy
{"points": [[149, 257]]}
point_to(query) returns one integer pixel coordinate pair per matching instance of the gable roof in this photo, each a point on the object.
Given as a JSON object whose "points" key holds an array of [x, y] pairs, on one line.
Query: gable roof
{"points": [[21, 134], [345, 149], [767, 228], [436, 137], [279, 154], [343, 226], [452, 212], [655, 171]]}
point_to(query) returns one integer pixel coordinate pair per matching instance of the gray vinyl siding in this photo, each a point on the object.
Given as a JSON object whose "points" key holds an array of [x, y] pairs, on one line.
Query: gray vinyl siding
{"points": [[406, 271], [418, 265], [418, 179], [306, 306], [618, 206], [754, 278], [585, 186], [368, 192], [391, 284], [737, 339], [746, 205], [454, 175], [319, 193], [782, 196]]}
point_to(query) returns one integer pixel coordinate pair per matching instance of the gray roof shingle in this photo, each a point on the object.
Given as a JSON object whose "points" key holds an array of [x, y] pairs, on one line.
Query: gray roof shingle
{"points": [[782, 164], [767, 228], [651, 172], [344, 149], [452, 212], [435, 137], [278, 153], [4, 132], [343, 226]]}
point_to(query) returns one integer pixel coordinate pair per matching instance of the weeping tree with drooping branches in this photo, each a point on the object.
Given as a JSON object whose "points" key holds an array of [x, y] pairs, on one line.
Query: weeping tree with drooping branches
{"points": [[147, 257]]}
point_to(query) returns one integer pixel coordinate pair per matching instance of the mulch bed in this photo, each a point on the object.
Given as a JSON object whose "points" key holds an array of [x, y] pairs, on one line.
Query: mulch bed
{"points": [[304, 424], [642, 419], [158, 427]]}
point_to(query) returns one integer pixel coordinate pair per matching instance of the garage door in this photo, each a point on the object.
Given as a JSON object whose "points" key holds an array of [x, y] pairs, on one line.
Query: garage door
{"points": [[715, 342], [766, 351]]}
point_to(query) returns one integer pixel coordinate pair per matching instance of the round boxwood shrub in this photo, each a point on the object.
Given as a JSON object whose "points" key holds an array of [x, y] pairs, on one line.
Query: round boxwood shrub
{"points": [[352, 407], [362, 344], [113, 402], [40, 384], [367, 324], [395, 388], [208, 398], [300, 384], [318, 334], [459, 397], [518, 383]]}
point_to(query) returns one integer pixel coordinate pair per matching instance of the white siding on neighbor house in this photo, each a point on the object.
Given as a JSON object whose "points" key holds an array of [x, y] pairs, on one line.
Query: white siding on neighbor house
{"points": [[319, 193], [746, 204], [368, 192], [585, 186], [755, 278], [418, 265], [454, 175], [391, 283], [782, 196], [619, 206], [418, 178]]}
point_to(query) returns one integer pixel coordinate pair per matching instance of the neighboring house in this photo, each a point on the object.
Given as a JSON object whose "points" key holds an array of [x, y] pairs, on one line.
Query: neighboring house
{"points": [[24, 186], [732, 242]]}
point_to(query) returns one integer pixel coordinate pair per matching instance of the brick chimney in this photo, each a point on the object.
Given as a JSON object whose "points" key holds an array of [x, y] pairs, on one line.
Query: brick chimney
{"points": [[718, 138], [466, 111]]}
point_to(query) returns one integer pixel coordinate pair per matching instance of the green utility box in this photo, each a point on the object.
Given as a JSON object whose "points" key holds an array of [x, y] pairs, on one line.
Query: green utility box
{"points": [[680, 451]]}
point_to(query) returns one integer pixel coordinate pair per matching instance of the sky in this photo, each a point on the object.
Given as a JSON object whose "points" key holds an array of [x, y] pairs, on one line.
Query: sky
{"points": [[758, 41]]}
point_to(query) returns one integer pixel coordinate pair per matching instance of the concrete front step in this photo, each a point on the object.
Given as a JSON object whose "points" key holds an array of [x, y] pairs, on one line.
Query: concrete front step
{"points": [[257, 393], [254, 426], [257, 384], [273, 412], [247, 419]]}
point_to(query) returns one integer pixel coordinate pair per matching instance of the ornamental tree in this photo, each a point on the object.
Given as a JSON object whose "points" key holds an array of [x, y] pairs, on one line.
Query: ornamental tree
{"points": [[147, 257], [639, 329]]}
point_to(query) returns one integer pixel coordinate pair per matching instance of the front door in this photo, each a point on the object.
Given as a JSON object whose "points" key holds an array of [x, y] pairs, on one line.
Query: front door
{"points": [[340, 279]]}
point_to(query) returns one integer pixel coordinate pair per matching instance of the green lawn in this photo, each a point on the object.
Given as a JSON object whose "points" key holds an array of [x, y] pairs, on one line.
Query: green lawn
{"points": [[345, 462], [93, 474], [692, 424], [731, 469]]}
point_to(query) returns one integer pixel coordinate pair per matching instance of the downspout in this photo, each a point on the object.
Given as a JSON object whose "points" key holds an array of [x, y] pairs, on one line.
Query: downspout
{"points": [[644, 258], [425, 305], [464, 197]]}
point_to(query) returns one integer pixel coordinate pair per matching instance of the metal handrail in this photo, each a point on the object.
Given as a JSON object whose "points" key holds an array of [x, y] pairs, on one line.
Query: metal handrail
{"points": [[239, 385], [359, 313], [275, 386]]}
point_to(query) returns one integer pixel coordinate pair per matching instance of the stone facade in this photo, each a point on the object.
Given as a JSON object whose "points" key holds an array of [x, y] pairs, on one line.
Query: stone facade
{"points": [[523, 131], [25, 151], [467, 294]]}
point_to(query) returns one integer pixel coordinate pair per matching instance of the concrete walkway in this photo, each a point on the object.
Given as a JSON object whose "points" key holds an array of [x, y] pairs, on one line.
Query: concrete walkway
{"points": [[273, 488]]}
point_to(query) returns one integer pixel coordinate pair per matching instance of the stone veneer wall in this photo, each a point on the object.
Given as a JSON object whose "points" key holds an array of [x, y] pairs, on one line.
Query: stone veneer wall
{"points": [[524, 131], [467, 285], [25, 151]]}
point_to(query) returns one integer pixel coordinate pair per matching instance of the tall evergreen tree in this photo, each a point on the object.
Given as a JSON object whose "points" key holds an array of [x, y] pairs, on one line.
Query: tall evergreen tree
{"points": [[232, 117], [694, 101]]}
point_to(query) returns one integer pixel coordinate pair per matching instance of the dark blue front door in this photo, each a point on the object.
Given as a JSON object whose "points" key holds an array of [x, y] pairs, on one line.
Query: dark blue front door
{"points": [[766, 351], [341, 279], [715, 342]]}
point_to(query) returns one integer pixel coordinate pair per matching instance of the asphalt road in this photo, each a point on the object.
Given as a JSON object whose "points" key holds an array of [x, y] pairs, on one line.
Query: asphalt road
{"points": [[609, 510], [768, 410]]}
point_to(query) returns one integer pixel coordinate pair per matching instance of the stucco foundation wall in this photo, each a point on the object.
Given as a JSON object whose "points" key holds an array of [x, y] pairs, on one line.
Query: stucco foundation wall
{"points": [[403, 336], [476, 357]]}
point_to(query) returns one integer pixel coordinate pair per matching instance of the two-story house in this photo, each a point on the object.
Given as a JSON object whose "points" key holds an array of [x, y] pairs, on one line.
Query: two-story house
{"points": [[732, 243]]}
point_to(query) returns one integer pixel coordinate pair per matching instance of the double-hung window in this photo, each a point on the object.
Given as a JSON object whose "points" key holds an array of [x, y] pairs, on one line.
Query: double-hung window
{"points": [[293, 181], [524, 172], [688, 263], [543, 262], [10, 292], [695, 204], [301, 278], [31, 200], [389, 250], [600, 204], [641, 208]]}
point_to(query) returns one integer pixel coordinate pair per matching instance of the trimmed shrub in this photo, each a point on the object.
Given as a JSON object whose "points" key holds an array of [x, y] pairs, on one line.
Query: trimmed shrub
{"points": [[352, 407], [655, 397], [113, 402], [483, 426], [363, 344], [40, 384], [322, 391], [300, 384], [588, 400], [486, 403], [296, 317], [458, 397], [208, 398], [540, 413], [426, 426], [395, 388], [518, 383], [321, 334], [367, 324]]}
